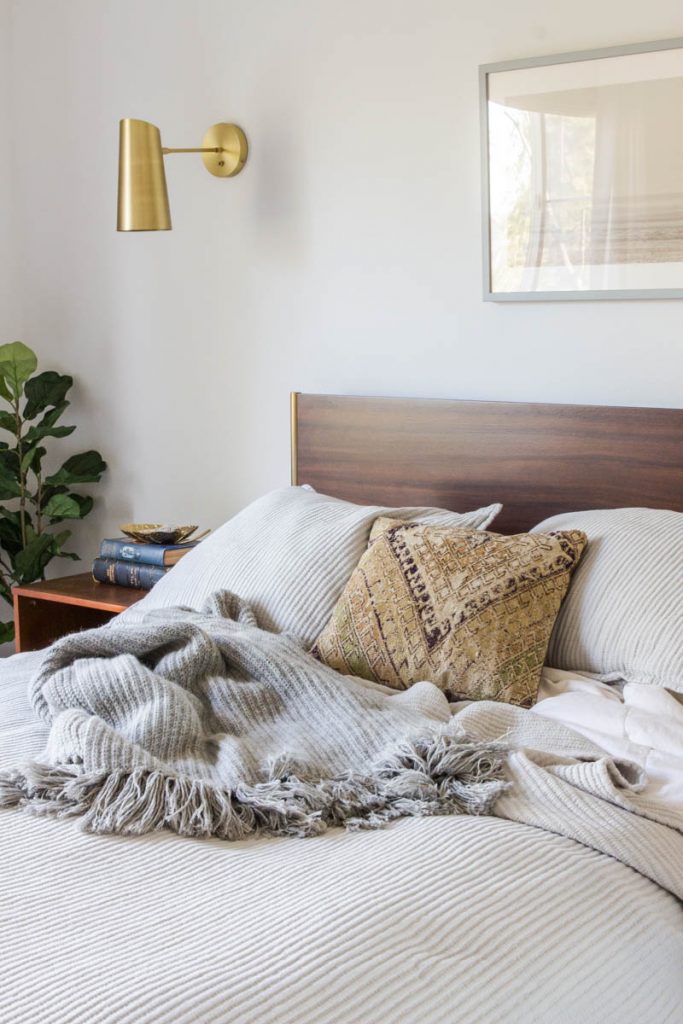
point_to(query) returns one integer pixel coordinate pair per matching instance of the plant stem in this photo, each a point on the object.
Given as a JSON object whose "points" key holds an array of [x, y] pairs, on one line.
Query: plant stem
{"points": [[22, 477], [38, 501]]}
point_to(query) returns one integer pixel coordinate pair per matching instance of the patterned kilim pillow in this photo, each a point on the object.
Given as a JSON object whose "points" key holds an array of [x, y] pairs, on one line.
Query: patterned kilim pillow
{"points": [[470, 611]]}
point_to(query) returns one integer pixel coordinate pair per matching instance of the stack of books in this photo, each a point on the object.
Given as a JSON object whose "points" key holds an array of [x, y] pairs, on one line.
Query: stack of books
{"points": [[132, 564]]}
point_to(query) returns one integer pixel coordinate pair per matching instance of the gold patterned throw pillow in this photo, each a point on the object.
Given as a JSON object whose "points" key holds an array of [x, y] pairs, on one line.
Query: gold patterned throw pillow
{"points": [[470, 611]]}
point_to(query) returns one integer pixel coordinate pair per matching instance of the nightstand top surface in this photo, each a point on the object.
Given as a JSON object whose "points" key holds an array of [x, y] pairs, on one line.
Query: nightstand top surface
{"points": [[82, 590]]}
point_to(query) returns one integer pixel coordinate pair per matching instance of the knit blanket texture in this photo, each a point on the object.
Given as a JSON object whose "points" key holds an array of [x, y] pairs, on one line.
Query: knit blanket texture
{"points": [[202, 723]]}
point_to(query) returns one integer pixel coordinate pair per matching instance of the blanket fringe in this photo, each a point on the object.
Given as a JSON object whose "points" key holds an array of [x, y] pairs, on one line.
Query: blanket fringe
{"points": [[437, 775]]}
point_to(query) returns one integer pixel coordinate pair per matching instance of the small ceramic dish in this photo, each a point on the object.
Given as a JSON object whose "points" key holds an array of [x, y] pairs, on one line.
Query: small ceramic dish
{"points": [[157, 533]]}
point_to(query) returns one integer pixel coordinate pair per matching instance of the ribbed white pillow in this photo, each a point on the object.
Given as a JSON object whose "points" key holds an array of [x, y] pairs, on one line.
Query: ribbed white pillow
{"points": [[290, 554], [623, 613]]}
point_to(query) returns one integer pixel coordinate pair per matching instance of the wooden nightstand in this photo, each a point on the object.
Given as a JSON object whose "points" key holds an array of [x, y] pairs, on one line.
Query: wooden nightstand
{"points": [[45, 611]]}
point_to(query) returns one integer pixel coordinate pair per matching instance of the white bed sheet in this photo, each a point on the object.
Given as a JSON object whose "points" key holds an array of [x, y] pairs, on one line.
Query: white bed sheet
{"points": [[435, 920], [639, 723]]}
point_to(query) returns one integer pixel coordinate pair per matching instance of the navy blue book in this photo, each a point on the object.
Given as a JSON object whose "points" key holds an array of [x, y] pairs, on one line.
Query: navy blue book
{"points": [[127, 574], [147, 554]]}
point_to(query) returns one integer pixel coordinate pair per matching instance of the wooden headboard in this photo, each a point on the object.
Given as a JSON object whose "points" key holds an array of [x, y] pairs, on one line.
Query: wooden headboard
{"points": [[537, 459]]}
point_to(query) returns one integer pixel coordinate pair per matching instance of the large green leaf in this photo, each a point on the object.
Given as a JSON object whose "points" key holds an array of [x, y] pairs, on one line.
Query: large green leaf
{"points": [[12, 514], [47, 493], [8, 421], [68, 506], [10, 532], [85, 468], [33, 458], [30, 563], [47, 428], [9, 460], [60, 540], [6, 632], [6, 591], [30, 532], [9, 485], [62, 506], [17, 363], [44, 390], [36, 433], [84, 502]]}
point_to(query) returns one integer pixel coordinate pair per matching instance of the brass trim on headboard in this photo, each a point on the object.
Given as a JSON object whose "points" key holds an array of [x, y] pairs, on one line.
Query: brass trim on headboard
{"points": [[294, 435]]}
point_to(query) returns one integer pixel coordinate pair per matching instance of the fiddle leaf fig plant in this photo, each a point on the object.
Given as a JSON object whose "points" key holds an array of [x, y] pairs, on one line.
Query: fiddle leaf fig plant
{"points": [[33, 504]]}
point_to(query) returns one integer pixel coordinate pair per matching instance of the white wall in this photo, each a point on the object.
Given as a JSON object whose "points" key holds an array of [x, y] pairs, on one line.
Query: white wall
{"points": [[346, 257], [9, 304]]}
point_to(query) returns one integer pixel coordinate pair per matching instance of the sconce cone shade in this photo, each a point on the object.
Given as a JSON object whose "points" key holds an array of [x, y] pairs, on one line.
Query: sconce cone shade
{"points": [[143, 199]]}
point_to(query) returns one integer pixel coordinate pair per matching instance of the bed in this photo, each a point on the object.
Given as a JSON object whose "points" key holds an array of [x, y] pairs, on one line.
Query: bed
{"points": [[437, 919]]}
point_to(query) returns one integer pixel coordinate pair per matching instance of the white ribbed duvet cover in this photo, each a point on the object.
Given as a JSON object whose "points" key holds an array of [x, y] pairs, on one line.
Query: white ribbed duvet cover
{"points": [[438, 920]]}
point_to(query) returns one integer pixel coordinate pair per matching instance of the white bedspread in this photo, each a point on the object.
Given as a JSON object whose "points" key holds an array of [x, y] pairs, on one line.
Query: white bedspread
{"points": [[434, 920]]}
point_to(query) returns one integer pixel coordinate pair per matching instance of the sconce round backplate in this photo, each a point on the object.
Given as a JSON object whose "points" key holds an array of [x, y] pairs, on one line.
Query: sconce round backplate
{"points": [[234, 149]]}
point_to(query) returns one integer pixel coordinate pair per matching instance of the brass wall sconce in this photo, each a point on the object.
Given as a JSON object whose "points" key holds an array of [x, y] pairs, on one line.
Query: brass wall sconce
{"points": [[143, 197]]}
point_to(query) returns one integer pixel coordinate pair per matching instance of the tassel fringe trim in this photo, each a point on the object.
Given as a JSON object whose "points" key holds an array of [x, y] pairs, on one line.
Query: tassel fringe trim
{"points": [[435, 776]]}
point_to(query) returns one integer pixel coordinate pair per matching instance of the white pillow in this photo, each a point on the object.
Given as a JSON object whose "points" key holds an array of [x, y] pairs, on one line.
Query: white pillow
{"points": [[623, 613], [290, 554]]}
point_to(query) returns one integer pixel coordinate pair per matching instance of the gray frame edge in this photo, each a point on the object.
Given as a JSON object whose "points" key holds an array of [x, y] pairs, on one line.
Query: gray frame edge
{"points": [[578, 55], [535, 62], [485, 181]]}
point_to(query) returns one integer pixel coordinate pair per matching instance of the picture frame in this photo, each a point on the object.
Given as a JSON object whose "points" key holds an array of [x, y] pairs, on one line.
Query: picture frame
{"points": [[582, 175]]}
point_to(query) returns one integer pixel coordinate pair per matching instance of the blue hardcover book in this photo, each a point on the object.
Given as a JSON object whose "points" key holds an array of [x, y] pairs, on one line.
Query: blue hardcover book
{"points": [[127, 574], [147, 554]]}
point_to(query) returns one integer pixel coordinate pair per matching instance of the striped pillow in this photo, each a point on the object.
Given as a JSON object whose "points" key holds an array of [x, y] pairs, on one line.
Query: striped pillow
{"points": [[623, 614], [290, 554]]}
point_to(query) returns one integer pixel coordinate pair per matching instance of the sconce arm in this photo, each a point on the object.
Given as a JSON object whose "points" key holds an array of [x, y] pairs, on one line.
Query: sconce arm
{"points": [[214, 149], [228, 154]]}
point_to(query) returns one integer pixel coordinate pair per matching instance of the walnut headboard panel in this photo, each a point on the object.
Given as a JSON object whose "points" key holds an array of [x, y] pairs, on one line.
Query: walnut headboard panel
{"points": [[537, 459]]}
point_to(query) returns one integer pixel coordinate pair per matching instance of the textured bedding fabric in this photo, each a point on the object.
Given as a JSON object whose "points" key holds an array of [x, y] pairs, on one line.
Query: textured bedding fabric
{"points": [[289, 554], [639, 723], [451, 920], [203, 723], [623, 614]]}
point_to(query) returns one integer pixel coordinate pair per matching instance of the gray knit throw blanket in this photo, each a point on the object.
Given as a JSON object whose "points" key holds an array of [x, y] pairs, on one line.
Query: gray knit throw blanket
{"points": [[202, 723]]}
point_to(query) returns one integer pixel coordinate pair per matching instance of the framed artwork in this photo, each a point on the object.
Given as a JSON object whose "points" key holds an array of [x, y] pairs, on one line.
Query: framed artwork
{"points": [[582, 158]]}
